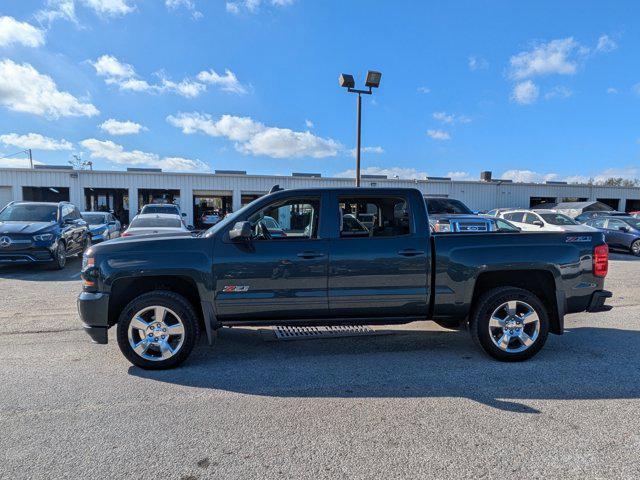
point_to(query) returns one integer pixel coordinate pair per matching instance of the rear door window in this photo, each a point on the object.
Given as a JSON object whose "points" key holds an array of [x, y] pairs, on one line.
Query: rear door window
{"points": [[373, 217]]}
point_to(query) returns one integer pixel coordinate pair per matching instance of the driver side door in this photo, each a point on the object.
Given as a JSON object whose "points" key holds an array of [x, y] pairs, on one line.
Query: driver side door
{"points": [[281, 272]]}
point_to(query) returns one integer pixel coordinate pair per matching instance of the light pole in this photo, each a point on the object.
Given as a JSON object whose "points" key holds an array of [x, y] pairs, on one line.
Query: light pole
{"points": [[372, 81]]}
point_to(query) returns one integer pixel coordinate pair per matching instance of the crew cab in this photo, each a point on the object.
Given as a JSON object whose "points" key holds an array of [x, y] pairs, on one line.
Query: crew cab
{"points": [[510, 289]]}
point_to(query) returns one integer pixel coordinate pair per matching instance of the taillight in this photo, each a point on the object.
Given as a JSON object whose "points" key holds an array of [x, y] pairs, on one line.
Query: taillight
{"points": [[601, 260], [125, 234]]}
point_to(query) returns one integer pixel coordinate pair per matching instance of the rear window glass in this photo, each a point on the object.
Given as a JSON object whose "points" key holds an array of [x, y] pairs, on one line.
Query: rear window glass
{"points": [[95, 218], [147, 209], [439, 206], [155, 223]]}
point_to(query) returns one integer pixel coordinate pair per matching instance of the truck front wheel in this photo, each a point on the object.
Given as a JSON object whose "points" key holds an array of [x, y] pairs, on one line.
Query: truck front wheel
{"points": [[510, 324], [157, 330]]}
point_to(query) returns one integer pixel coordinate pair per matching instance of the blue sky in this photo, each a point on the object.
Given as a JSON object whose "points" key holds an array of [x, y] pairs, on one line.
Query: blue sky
{"points": [[543, 90]]}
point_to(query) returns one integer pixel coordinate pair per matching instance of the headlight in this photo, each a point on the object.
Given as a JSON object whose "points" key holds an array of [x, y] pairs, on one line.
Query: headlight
{"points": [[45, 237], [87, 261]]}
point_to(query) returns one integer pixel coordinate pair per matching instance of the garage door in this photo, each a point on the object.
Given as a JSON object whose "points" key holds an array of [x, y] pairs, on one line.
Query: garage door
{"points": [[5, 196]]}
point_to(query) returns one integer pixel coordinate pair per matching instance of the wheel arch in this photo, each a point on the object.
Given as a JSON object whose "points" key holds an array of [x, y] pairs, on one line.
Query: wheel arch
{"points": [[540, 282], [125, 289]]}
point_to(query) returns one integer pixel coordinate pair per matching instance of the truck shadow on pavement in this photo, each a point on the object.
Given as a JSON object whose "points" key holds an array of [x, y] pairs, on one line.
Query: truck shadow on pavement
{"points": [[585, 364]]}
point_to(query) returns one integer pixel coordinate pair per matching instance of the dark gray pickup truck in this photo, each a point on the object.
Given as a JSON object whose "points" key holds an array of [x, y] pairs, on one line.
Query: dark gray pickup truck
{"points": [[326, 267]]}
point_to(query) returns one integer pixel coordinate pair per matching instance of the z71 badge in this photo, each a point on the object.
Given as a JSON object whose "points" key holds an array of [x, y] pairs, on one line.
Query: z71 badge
{"points": [[583, 239], [235, 288]]}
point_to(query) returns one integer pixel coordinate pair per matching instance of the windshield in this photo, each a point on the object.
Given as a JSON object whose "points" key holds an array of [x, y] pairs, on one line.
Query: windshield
{"points": [[29, 212], [155, 223], [94, 218], [558, 219], [160, 209], [436, 206]]}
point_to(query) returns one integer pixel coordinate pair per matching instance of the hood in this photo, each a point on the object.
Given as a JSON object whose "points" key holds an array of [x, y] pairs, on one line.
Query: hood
{"points": [[25, 228]]}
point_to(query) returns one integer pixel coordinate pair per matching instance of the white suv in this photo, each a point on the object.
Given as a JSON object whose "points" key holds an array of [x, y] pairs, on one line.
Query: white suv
{"points": [[543, 220]]}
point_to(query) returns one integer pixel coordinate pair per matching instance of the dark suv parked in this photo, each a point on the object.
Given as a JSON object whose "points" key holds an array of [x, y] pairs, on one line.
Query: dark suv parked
{"points": [[38, 232]]}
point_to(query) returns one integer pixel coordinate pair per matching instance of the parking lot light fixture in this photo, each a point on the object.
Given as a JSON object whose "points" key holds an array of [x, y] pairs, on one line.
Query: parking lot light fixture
{"points": [[372, 81]]}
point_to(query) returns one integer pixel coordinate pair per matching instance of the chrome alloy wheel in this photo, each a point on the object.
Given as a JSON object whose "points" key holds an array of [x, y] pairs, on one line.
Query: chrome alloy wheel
{"points": [[635, 247], [156, 333], [514, 326]]}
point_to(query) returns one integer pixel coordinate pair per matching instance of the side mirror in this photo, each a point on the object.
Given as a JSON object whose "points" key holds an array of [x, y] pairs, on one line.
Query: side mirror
{"points": [[623, 229], [538, 223], [240, 231], [184, 214], [111, 224]]}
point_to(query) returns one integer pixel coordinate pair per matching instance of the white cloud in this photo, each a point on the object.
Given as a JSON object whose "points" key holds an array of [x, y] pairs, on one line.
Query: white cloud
{"points": [[558, 92], [116, 127], [612, 91], [58, 10], [556, 57], [110, 67], [253, 6], [450, 118], [108, 150], [375, 150], [24, 89], [606, 44], [35, 141], [390, 172], [458, 175], [111, 8], [424, 90], [308, 123], [528, 176], [13, 32], [227, 82], [477, 63], [189, 5], [525, 93], [124, 76], [17, 163], [438, 134], [443, 117], [254, 138]]}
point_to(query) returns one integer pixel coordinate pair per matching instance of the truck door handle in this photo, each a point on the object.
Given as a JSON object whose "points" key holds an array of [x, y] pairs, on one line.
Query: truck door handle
{"points": [[309, 255], [410, 252]]}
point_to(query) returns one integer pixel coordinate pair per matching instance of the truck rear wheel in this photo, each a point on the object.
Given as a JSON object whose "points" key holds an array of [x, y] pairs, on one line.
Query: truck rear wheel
{"points": [[157, 330], [510, 324]]}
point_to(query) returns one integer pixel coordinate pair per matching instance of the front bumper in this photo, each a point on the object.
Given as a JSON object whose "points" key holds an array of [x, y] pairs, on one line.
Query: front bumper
{"points": [[94, 313], [26, 256], [597, 301]]}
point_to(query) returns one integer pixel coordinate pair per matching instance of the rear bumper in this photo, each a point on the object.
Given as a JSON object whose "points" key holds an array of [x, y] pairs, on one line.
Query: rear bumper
{"points": [[597, 302], [94, 313]]}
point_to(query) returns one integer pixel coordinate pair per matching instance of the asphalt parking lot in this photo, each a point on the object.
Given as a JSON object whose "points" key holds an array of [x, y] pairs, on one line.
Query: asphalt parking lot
{"points": [[419, 402]]}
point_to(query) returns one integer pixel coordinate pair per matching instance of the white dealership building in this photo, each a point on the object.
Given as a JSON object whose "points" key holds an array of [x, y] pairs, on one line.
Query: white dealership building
{"points": [[124, 192]]}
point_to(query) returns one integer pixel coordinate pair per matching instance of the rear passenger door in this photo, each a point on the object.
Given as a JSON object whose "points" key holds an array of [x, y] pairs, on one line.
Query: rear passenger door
{"points": [[382, 270]]}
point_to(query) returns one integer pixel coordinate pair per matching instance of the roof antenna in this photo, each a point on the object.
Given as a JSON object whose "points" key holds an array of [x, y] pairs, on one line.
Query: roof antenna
{"points": [[276, 188]]}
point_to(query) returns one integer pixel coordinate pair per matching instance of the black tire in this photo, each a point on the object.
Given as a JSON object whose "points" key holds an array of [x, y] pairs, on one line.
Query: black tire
{"points": [[59, 257], [635, 248], [176, 304], [484, 336]]}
